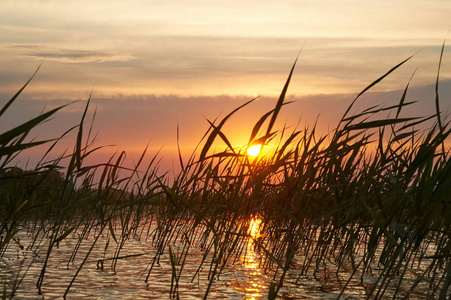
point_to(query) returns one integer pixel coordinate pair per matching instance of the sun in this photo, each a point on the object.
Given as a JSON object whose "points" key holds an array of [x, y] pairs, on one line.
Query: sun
{"points": [[254, 150]]}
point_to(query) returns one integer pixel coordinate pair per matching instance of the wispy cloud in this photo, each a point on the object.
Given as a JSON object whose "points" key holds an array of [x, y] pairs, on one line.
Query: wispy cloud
{"points": [[212, 48], [69, 55]]}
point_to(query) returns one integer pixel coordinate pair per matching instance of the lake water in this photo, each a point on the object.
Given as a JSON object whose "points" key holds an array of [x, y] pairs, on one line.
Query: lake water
{"points": [[243, 278]]}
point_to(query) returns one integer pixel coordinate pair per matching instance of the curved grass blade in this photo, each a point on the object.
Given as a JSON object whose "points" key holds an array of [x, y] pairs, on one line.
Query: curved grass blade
{"points": [[78, 148], [263, 139], [281, 98], [223, 136], [260, 122], [27, 126], [373, 84], [378, 123], [226, 154], [401, 102], [8, 104], [373, 111], [65, 234], [178, 149], [437, 102], [9, 150], [217, 131]]}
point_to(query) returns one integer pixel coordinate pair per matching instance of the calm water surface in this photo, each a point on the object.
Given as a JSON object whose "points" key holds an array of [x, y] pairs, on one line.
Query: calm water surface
{"points": [[241, 279]]}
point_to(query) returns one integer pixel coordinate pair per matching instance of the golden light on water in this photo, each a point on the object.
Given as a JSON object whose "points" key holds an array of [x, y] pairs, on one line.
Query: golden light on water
{"points": [[255, 285], [254, 150], [254, 227]]}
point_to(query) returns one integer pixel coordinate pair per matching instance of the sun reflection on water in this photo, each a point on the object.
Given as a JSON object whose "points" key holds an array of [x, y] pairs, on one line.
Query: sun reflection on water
{"points": [[254, 227], [254, 283]]}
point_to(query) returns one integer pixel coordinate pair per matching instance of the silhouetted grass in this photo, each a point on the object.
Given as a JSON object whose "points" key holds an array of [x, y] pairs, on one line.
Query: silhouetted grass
{"points": [[372, 194]]}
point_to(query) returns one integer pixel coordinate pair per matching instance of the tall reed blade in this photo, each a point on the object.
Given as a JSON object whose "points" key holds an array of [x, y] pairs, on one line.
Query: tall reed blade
{"points": [[371, 85], [217, 130], [78, 148], [8, 104], [281, 99]]}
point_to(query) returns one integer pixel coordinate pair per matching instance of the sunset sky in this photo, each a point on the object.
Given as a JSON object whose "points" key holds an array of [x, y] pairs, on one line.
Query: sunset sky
{"points": [[151, 65]]}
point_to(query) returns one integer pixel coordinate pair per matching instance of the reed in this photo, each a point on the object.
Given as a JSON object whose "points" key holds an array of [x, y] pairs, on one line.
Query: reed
{"points": [[372, 194]]}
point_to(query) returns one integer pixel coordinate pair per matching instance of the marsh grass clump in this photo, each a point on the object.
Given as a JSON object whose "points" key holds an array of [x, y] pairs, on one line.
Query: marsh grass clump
{"points": [[371, 198]]}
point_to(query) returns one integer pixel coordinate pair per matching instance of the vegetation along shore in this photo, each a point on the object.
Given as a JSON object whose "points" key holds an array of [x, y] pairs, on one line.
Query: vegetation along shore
{"points": [[369, 199]]}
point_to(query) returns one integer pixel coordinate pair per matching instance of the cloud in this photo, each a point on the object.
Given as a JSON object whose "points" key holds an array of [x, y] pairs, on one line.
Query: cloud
{"points": [[69, 55], [136, 62]]}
